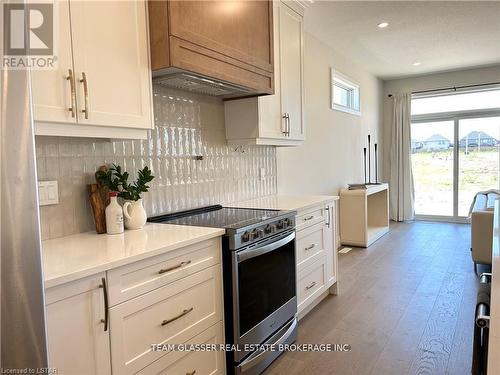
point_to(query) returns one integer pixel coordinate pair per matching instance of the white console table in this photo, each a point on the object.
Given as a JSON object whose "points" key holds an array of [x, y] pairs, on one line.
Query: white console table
{"points": [[364, 215]]}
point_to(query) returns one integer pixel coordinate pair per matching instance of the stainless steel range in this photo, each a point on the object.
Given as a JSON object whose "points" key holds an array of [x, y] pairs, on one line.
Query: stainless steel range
{"points": [[259, 280]]}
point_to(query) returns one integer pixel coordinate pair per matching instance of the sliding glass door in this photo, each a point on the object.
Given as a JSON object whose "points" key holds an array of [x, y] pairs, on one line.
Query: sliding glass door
{"points": [[432, 163], [478, 159], [455, 140], [451, 161]]}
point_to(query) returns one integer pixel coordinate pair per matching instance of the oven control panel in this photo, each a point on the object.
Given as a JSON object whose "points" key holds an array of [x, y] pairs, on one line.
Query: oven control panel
{"points": [[266, 230]]}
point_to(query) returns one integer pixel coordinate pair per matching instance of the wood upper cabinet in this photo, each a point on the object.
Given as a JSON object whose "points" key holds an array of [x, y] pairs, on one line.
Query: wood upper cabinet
{"points": [[275, 119], [226, 40], [101, 86]]}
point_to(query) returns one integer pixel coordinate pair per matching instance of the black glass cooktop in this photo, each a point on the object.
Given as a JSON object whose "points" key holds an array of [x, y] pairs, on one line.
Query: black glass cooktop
{"points": [[218, 217]]}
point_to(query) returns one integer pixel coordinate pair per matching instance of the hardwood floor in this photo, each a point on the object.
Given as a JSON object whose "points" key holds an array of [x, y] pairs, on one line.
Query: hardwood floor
{"points": [[406, 306]]}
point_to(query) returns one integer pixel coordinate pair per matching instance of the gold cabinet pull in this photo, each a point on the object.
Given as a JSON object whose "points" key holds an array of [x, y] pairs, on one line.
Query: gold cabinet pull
{"points": [[184, 312], [86, 93], [191, 373], [311, 285], [310, 247], [181, 264], [71, 79], [284, 117], [287, 124], [104, 288]]}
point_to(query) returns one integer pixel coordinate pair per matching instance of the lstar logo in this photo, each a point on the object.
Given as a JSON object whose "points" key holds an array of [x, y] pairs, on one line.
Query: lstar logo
{"points": [[28, 36]]}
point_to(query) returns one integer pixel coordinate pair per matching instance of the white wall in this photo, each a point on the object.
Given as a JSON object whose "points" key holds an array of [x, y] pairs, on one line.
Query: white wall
{"points": [[429, 82], [332, 154]]}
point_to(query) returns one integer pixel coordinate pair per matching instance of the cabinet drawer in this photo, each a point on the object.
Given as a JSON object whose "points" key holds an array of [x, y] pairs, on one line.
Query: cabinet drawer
{"points": [[310, 243], [137, 278], [310, 217], [312, 282], [171, 314], [200, 362]]}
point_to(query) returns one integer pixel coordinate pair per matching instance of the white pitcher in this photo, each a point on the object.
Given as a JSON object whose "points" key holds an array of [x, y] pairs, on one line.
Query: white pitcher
{"points": [[135, 214]]}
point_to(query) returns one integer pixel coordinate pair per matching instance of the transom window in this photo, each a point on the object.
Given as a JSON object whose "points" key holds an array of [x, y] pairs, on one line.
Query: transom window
{"points": [[345, 94]]}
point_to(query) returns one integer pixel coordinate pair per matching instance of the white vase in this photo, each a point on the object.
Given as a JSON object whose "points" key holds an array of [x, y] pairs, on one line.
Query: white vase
{"points": [[134, 214]]}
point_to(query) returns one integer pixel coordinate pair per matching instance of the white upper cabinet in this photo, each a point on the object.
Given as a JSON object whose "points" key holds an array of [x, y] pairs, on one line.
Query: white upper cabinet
{"points": [[275, 119], [111, 51], [52, 93], [291, 57], [103, 80]]}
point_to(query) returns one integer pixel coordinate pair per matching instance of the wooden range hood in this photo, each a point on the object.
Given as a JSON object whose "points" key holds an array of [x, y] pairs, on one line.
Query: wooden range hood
{"points": [[220, 48]]}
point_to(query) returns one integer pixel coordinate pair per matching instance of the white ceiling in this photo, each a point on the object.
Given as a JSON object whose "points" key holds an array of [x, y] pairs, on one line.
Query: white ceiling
{"points": [[442, 35]]}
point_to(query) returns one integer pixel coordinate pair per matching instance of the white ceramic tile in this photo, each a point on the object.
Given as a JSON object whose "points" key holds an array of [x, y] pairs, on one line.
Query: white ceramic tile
{"points": [[187, 125]]}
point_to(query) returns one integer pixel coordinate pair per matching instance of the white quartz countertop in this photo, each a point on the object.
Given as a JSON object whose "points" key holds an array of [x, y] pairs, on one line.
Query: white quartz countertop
{"points": [[285, 202], [73, 257], [494, 334]]}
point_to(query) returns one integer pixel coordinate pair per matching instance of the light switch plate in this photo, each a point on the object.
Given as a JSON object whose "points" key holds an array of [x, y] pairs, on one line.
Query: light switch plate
{"points": [[48, 192]]}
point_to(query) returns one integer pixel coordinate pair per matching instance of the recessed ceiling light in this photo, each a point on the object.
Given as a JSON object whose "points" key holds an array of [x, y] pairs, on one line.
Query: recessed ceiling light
{"points": [[383, 25], [416, 63]]}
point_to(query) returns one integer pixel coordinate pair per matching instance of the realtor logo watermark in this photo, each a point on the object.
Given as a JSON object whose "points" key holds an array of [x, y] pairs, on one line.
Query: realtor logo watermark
{"points": [[28, 36]]}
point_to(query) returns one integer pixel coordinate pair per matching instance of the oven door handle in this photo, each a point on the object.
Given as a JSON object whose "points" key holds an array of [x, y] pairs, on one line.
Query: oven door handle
{"points": [[252, 253], [259, 356]]}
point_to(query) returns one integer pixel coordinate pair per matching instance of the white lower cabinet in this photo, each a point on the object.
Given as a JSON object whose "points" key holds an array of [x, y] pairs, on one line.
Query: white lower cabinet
{"points": [[137, 278], [174, 298], [193, 362], [169, 315], [311, 282], [78, 339], [310, 244], [316, 254]]}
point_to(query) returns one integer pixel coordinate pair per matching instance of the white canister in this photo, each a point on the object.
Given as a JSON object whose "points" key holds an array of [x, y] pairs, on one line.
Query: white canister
{"points": [[114, 215]]}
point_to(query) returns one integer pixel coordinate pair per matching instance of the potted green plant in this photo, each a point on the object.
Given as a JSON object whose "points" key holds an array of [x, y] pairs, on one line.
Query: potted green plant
{"points": [[117, 180]]}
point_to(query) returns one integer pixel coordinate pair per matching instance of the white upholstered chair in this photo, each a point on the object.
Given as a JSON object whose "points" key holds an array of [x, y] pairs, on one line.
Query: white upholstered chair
{"points": [[482, 228]]}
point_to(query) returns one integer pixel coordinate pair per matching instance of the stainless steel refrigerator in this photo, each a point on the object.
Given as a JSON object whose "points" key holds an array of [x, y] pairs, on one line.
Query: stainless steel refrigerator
{"points": [[22, 315]]}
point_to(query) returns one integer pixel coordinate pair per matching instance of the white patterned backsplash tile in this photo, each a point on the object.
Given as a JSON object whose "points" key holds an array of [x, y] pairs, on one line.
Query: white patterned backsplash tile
{"points": [[186, 126]]}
